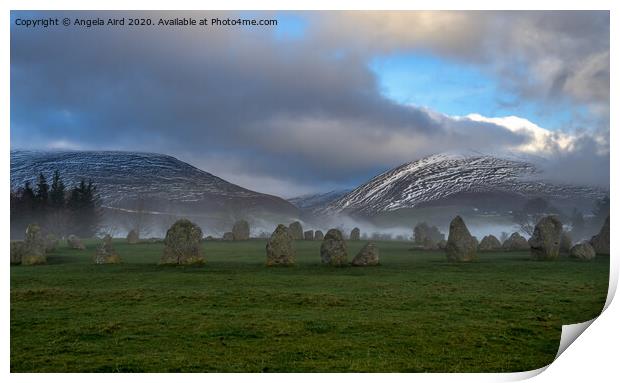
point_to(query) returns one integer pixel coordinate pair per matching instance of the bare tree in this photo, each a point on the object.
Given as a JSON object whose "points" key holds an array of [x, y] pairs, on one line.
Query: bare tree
{"points": [[532, 212], [526, 222]]}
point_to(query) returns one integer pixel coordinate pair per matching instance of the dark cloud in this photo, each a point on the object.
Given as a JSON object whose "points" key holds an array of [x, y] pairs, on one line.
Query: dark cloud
{"points": [[276, 116]]}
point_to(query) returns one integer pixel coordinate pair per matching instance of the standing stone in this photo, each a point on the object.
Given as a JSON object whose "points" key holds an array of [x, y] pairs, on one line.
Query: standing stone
{"points": [[228, 236], [241, 230], [489, 243], [280, 247], [515, 242], [318, 235], [182, 244], [296, 230], [334, 249], [133, 237], [461, 244], [33, 234], [106, 253], [600, 242], [367, 256], [50, 243], [308, 235], [74, 242], [355, 234], [34, 246], [420, 233], [545, 241], [583, 251], [566, 243], [17, 251]]}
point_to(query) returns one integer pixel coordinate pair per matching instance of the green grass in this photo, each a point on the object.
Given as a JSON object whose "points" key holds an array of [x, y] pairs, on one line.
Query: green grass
{"points": [[416, 312]]}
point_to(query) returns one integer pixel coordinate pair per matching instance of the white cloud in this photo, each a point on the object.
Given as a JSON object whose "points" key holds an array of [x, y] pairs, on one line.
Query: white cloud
{"points": [[540, 141]]}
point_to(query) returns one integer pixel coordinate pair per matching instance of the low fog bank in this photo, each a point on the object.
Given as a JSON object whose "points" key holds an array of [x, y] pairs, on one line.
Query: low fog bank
{"points": [[398, 227]]}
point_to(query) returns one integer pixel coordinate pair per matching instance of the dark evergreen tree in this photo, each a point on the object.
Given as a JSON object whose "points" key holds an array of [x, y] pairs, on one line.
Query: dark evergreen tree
{"points": [[80, 214], [27, 194], [58, 219], [84, 208], [42, 193], [57, 192], [22, 210]]}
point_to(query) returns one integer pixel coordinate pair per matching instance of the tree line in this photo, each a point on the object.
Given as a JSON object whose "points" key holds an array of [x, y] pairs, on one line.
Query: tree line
{"points": [[58, 209]]}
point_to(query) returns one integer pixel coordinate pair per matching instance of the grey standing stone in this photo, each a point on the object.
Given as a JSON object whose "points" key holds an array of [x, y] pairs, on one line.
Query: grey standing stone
{"points": [[545, 241], [133, 237], [182, 244], [296, 230], [355, 234], [516, 242], [51, 242], [600, 242], [34, 247], [367, 256], [583, 251], [461, 244], [241, 230], [280, 247], [309, 235], [106, 253], [75, 243], [334, 249], [489, 243], [318, 235], [17, 251]]}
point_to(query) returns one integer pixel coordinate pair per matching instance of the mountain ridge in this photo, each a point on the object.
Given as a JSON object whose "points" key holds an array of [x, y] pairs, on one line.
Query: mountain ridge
{"points": [[161, 181], [442, 176]]}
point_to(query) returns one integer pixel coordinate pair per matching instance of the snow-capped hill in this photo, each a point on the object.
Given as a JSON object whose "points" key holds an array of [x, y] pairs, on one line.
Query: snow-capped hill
{"points": [[443, 177], [160, 182], [317, 200]]}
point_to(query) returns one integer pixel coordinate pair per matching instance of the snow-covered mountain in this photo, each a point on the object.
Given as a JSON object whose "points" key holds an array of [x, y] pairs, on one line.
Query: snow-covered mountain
{"points": [[449, 179], [317, 200], [160, 183]]}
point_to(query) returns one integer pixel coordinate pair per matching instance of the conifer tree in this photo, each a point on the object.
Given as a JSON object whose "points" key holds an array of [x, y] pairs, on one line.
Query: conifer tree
{"points": [[57, 192], [41, 197]]}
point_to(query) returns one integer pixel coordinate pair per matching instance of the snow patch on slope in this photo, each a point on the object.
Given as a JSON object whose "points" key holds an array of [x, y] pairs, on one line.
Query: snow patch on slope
{"points": [[442, 175]]}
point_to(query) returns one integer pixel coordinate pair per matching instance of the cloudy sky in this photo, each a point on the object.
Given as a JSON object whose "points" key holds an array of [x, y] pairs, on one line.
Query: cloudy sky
{"points": [[323, 100]]}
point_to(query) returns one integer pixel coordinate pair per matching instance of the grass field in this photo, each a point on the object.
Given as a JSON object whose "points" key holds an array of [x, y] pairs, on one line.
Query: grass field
{"points": [[414, 313]]}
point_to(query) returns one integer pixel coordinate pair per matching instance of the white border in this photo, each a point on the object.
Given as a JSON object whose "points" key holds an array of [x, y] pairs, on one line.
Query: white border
{"points": [[593, 356]]}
